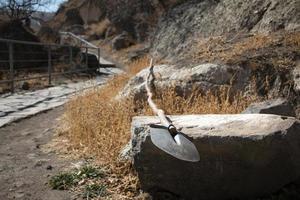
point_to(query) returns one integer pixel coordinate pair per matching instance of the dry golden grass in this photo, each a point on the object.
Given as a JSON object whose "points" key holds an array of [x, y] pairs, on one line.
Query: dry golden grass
{"points": [[98, 124], [233, 49]]}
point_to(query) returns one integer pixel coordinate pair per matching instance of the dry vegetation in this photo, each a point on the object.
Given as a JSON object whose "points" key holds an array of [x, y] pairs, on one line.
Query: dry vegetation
{"points": [[233, 49], [98, 124], [271, 57]]}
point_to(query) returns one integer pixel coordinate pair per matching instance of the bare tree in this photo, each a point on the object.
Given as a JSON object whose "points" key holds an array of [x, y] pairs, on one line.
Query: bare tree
{"points": [[21, 9]]}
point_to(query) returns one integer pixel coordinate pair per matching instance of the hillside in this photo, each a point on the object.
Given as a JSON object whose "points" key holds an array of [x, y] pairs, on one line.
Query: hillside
{"points": [[262, 36], [211, 57]]}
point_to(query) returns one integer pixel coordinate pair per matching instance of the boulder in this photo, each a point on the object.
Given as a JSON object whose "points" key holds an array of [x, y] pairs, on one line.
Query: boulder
{"points": [[241, 156], [121, 41], [205, 77], [278, 106], [92, 11]]}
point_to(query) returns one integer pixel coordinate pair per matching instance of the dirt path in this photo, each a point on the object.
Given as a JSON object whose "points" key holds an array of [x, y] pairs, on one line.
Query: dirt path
{"points": [[24, 168]]}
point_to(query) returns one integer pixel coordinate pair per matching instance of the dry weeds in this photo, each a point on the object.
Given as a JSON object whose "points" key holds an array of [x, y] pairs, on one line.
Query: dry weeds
{"points": [[98, 124], [233, 49]]}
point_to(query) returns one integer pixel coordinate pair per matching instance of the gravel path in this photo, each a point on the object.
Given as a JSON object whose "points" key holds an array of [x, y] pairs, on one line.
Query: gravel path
{"points": [[24, 167]]}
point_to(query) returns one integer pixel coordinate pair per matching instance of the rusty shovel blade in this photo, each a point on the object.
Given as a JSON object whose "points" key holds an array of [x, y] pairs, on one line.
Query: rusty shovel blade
{"points": [[178, 146]]}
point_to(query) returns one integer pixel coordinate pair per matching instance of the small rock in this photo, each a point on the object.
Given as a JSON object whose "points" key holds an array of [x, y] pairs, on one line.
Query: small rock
{"points": [[49, 167], [278, 106], [41, 162]]}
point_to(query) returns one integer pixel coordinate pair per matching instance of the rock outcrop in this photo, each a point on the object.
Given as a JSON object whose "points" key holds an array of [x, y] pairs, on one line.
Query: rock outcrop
{"points": [[184, 24], [241, 156], [204, 77], [78, 12], [278, 106]]}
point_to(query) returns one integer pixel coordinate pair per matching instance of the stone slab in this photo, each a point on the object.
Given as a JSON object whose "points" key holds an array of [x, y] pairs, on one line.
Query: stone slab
{"points": [[242, 156]]}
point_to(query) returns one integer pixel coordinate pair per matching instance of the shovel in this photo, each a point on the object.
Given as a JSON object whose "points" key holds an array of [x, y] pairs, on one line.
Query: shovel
{"points": [[167, 137]]}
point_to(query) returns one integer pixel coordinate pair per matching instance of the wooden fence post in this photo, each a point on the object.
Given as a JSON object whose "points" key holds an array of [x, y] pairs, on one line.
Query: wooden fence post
{"points": [[49, 65], [11, 66]]}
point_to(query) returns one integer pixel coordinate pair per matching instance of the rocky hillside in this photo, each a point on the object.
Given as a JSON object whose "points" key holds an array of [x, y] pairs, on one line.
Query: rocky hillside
{"points": [[176, 21], [184, 24], [211, 56], [260, 37], [138, 18]]}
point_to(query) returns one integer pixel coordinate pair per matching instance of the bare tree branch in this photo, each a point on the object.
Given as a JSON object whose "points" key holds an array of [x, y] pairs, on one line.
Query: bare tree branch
{"points": [[21, 9]]}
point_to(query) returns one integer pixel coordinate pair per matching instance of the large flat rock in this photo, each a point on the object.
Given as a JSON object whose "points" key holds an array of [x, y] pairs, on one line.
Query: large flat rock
{"points": [[205, 77], [242, 156]]}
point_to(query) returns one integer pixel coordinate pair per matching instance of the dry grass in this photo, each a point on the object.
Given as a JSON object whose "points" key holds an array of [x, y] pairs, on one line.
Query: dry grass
{"points": [[232, 49], [99, 124], [271, 58]]}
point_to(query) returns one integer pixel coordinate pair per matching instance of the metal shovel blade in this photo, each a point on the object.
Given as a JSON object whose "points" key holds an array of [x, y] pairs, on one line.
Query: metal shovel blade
{"points": [[179, 146]]}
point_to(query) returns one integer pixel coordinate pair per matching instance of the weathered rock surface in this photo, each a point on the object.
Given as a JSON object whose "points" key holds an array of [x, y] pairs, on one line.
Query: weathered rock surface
{"points": [[278, 106], [184, 24], [78, 12], [241, 156], [205, 77]]}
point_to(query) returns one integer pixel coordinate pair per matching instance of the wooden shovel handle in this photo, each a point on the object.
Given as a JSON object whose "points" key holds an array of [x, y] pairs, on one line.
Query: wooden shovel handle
{"points": [[159, 112]]}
